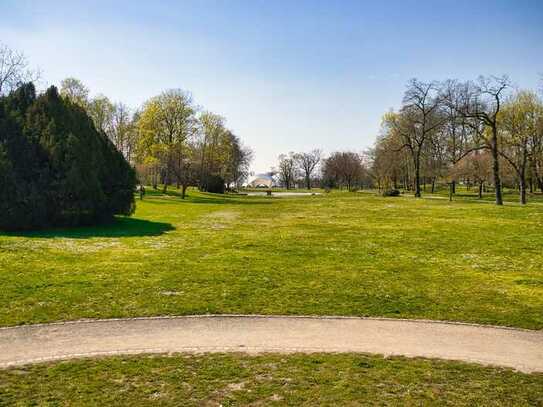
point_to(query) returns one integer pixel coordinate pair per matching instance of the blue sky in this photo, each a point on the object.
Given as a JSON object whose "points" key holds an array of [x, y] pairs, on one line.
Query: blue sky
{"points": [[288, 75]]}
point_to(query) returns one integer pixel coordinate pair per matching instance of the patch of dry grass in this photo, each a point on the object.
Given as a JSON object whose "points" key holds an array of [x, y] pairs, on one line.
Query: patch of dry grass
{"points": [[230, 379]]}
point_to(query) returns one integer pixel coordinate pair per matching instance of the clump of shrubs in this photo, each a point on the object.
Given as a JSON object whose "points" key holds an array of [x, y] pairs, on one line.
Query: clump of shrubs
{"points": [[214, 184], [391, 192]]}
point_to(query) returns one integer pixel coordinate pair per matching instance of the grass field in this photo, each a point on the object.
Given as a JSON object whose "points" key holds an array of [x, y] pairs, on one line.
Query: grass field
{"points": [[333, 254], [229, 380]]}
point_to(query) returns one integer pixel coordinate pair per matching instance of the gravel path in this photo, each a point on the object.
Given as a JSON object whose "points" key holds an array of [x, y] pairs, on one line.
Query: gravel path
{"points": [[515, 348]]}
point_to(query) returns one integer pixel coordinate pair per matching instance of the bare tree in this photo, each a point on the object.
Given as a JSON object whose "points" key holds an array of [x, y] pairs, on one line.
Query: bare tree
{"points": [[308, 163], [475, 167], [417, 122], [536, 162], [124, 130], [240, 163], [520, 134], [75, 90], [459, 132], [287, 170], [482, 100], [14, 70], [101, 110], [345, 168]]}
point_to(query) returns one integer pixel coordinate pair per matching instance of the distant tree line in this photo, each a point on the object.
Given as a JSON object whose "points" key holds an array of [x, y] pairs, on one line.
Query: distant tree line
{"points": [[341, 169], [481, 133]]}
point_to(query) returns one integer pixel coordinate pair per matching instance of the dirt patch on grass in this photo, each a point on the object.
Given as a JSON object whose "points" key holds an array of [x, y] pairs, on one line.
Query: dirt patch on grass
{"points": [[219, 219]]}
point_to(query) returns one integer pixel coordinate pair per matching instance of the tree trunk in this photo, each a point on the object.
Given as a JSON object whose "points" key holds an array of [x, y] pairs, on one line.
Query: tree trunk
{"points": [[417, 179], [533, 176], [183, 191], [522, 186], [481, 189], [453, 185], [522, 174], [496, 166], [166, 178], [166, 182], [155, 179], [308, 182], [433, 185]]}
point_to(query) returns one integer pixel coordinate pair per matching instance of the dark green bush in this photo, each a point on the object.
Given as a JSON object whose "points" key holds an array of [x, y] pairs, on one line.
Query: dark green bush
{"points": [[215, 184], [391, 192], [56, 169]]}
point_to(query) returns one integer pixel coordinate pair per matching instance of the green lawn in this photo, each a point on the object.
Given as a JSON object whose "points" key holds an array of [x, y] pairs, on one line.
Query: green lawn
{"points": [[333, 254], [471, 193], [228, 380]]}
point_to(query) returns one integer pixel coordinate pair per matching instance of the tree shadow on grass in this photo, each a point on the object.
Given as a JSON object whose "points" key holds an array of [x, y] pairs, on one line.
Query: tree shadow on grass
{"points": [[205, 198], [120, 227], [216, 199]]}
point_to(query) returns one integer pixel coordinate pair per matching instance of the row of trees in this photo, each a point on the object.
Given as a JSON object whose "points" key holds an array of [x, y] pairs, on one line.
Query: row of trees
{"points": [[179, 143], [479, 131], [170, 140], [342, 169], [115, 120], [298, 168], [69, 159]]}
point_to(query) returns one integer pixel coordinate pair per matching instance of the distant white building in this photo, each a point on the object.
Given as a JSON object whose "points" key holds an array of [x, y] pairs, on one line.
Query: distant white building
{"points": [[261, 181]]}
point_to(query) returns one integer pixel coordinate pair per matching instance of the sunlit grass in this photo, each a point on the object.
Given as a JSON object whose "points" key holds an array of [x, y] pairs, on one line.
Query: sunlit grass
{"points": [[333, 254], [228, 380]]}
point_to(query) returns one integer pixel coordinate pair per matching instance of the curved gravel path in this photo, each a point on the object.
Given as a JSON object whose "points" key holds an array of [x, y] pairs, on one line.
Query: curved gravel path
{"points": [[515, 348]]}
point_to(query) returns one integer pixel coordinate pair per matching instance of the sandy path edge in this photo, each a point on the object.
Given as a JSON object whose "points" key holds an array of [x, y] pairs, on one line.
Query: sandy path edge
{"points": [[519, 349]]}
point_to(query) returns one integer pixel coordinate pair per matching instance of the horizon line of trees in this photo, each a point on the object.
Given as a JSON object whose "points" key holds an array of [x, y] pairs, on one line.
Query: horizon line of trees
{"points": [[482, 133], [341, 169]]}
